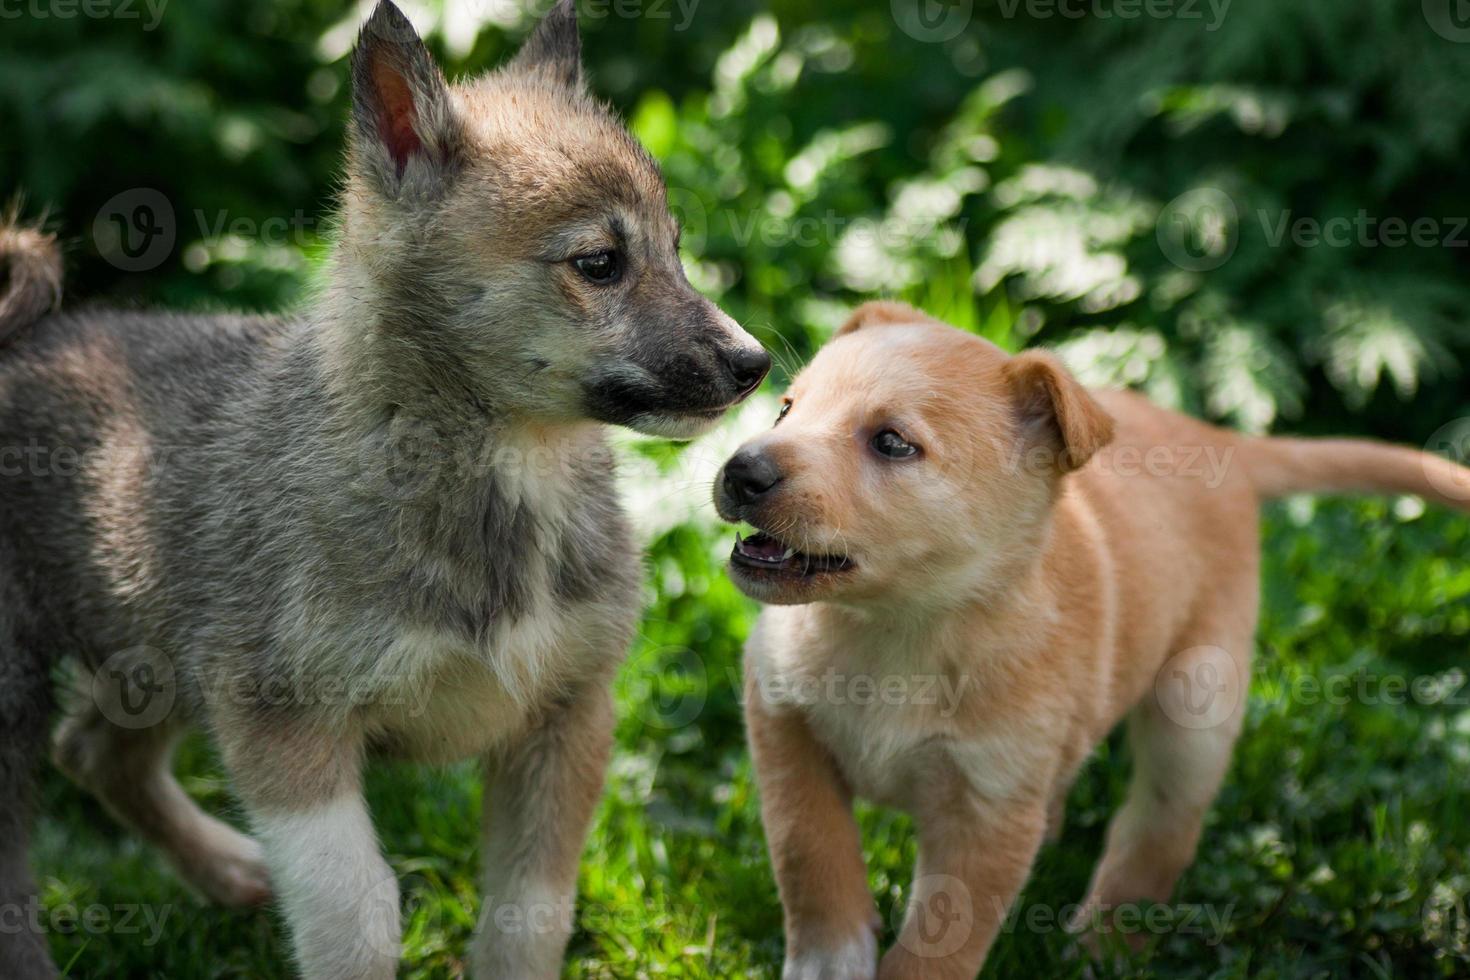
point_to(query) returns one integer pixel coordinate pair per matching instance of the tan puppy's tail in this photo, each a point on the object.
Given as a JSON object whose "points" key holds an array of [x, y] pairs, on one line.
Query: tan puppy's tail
{"points": [[30, 274], [1279, 467]]}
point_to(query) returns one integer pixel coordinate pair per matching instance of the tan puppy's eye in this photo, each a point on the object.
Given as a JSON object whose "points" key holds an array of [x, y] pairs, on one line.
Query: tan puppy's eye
{"points": [[892, 445], [785, 410]]}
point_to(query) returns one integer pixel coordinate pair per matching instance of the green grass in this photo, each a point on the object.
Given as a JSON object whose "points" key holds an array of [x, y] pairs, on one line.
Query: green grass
{"points": [[1342, 821]]}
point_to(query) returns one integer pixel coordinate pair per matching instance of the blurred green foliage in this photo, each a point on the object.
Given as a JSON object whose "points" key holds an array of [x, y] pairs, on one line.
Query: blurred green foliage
{"points": [[1128, 189]]}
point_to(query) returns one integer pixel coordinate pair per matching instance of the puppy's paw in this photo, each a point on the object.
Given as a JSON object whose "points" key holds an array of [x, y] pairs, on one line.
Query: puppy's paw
{"points": [[232, 873], [855, 959]]}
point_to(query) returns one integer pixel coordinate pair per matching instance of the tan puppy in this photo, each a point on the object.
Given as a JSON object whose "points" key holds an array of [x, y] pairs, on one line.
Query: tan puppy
{"points": [[976, 567]]}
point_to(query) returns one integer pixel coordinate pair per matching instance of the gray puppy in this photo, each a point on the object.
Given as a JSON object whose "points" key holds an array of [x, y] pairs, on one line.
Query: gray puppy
{"points": [[384, 526]]}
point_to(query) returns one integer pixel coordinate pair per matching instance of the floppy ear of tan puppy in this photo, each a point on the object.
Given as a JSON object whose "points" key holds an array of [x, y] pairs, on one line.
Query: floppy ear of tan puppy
{"points": [[975, 567]]}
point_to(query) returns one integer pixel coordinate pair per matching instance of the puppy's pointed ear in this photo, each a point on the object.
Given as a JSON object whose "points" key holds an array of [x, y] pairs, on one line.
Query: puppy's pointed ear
{"points": [[1054, 410], [405, 132], [554, 49]]}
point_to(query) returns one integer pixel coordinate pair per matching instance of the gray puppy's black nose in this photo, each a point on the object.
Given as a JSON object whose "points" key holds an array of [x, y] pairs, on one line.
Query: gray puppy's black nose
{"points": [[747, 366], [749, 476]]}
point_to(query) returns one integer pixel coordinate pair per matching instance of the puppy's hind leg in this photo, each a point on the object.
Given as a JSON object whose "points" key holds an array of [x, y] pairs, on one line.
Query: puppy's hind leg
{"points": [[1181, 735], [129, 771], [25, 706]]}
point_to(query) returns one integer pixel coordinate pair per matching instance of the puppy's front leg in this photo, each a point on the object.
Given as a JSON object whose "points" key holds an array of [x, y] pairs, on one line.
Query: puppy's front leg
{"points": [[302, 787], [816, 849], [974, 856], [539, 797]]}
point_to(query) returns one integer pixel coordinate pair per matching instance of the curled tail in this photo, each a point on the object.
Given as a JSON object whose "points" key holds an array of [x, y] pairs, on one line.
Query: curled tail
{"points": [[30, 275], [1279, 467]]}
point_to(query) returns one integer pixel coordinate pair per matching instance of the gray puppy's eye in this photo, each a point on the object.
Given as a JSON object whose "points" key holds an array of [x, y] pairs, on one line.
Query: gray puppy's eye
{"points": [[599, 267], [891, 444]]}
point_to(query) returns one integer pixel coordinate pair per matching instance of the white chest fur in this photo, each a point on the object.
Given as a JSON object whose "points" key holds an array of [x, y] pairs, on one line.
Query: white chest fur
{"points": [[889, 717], [459, 700]]}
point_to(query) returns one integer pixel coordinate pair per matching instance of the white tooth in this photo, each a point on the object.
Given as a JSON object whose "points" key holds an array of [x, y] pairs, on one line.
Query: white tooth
{"points": [[788, 554]]}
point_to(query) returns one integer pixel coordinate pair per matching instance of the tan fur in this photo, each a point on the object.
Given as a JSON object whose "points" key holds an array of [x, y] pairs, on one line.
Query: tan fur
{"points": [[1026, 561], [881, 311]]}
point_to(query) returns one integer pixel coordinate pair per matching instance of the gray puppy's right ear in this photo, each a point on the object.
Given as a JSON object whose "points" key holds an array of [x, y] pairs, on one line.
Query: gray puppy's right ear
{"points": [[554, 49], [406, 136]]}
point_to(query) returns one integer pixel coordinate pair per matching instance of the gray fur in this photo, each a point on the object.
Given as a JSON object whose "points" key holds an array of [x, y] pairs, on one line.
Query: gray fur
{"points": [[555, 47], [404, 479]]}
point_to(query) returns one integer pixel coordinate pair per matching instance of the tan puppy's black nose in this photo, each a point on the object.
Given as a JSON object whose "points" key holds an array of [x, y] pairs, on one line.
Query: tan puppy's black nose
{"points": [[747, 366], [749, 476]]}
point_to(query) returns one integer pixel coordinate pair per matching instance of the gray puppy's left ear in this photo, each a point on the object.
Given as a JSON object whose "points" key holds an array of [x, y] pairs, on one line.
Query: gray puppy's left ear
{"points": [[554, 49], [406, 135]]}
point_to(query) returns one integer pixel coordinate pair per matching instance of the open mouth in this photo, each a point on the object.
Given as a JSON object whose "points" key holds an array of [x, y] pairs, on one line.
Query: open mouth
{"points": [[764, 553]]}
